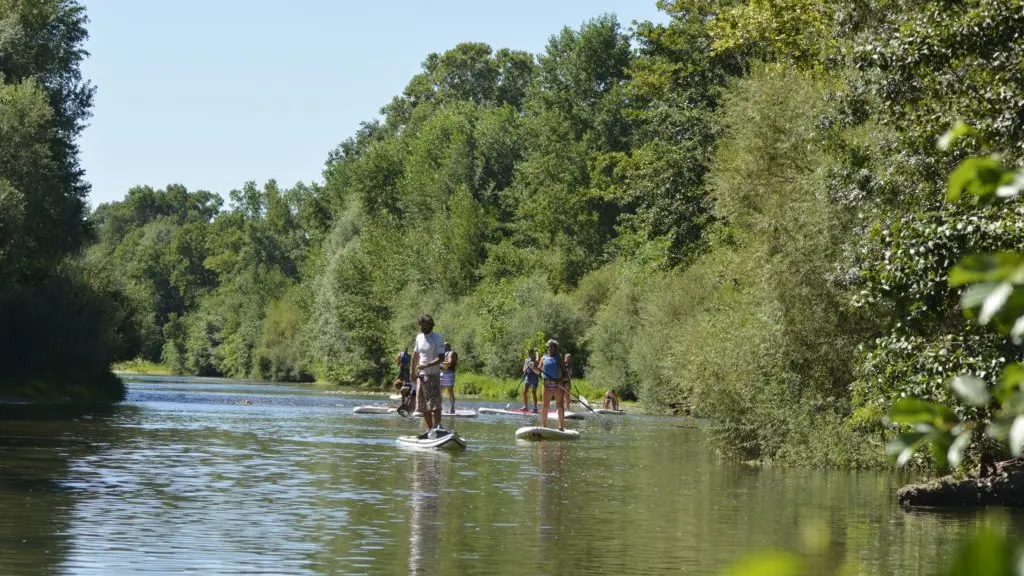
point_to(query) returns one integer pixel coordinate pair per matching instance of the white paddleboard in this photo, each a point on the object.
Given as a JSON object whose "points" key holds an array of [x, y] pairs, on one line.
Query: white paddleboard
{"points": [[538, 433], [458, 414], [448, 442], [373, 410], [486, 410], [551, 413], [608, 411]]}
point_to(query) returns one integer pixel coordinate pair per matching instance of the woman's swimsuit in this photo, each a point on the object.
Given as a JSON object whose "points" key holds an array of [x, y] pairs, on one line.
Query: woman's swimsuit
{"points": [[447, 376]]}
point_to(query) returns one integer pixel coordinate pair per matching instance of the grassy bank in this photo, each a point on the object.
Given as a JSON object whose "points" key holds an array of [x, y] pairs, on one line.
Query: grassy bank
{"points": [[140, 366]]}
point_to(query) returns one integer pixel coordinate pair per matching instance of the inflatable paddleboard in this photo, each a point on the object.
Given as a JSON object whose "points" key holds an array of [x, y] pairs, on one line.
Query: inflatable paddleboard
{"points": [[446, 414], [451, 441], [486, 410], [608, 411], [373, 410], [538, 433], [551, 413]]}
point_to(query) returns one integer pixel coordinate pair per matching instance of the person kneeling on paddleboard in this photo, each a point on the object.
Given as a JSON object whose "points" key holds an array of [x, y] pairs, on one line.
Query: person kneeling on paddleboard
{"points": [[426, 364], [611, 400], [553, 369], [408, 393]]}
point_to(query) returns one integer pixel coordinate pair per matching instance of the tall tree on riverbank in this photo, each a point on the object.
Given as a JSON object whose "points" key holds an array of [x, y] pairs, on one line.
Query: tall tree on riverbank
{"points": [[58, 334]]}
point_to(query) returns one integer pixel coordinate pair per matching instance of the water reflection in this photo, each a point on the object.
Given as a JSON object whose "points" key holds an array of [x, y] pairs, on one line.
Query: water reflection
{"points": [[185, 479], [550, 484], [424, 504]]}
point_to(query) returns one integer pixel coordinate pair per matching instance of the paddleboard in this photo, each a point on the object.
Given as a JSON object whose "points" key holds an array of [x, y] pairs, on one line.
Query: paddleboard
{"points": [[458, 414], [551, 414], [395, 397], [447, 442], [486, 410], [373, 410], [608, 411], [538, 433]]}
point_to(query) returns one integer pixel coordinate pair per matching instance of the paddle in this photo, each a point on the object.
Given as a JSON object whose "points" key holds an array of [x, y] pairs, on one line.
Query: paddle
{"points": [[605, 423]]}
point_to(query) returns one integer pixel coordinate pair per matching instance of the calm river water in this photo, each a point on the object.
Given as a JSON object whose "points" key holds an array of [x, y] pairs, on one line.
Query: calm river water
{"points": [[187, 477]]}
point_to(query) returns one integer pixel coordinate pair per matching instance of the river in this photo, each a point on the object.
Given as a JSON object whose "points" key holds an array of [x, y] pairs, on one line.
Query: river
{"points": [[215, 477]]}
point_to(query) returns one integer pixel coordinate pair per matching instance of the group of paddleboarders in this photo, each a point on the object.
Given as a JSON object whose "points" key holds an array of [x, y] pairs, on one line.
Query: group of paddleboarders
{"points": [[434, 363]]}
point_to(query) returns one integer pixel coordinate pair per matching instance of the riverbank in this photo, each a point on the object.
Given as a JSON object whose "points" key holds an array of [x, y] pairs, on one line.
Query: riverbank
{"points": [[468, 385], [42, 394]]}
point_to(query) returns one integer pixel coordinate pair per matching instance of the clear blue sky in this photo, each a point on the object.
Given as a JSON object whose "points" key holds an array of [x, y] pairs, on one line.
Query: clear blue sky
{"points": [[214, 93]]}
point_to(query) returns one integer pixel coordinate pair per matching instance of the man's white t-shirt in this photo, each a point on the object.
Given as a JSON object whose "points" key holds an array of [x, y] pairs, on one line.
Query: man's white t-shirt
{"points": [[429, 347]]}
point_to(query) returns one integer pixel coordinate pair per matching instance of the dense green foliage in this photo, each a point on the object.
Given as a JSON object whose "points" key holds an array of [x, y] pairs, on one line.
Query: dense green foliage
{"points": [[737, 213], [58, 331]]}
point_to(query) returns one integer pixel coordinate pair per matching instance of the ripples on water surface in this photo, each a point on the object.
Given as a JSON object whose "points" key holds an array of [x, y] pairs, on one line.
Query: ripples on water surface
{"points": [[186, 478]]}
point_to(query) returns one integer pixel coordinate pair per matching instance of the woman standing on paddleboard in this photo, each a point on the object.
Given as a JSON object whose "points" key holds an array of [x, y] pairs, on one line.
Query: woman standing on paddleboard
{"points": [[552, 368], [531, 377]]}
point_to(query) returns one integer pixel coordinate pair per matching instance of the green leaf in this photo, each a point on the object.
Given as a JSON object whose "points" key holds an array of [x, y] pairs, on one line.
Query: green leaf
{"points": [[979, 176], [1013, 188], [987, 553], [939, 444], [974, 296], [1009, 381], [916, 411], [958, 131], [976, 268], [994, 302], [971, 390], [1017, 436], [957, 449], [768, 564], [903, 442]]}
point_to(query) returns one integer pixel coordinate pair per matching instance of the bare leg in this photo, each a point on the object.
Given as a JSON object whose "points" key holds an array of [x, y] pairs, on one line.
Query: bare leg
{"points": [[526, 390], [560, 402], [546, 398], [534, 391], [451, 398], [437, 417]]}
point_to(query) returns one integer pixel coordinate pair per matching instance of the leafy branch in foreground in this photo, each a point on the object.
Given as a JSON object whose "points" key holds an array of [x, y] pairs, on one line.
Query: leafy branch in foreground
{"points": [[993, 295]]}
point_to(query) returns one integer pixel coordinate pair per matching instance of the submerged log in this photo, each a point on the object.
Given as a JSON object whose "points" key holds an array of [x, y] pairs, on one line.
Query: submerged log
{"points": [[1000, 484]]}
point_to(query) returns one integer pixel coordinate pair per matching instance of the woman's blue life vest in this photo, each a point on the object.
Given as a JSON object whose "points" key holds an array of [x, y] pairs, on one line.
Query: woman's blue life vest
{"points": [[550, 368]]}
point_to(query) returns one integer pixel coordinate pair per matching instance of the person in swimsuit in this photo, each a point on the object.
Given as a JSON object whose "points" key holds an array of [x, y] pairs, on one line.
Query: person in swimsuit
{"points": [[567, 381], [451, 360], [531, 376], [611, 400], [552, 368]]}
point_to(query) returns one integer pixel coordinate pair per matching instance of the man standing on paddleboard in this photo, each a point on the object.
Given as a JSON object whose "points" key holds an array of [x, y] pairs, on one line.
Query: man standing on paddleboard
{"points": [[426, 364]]}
